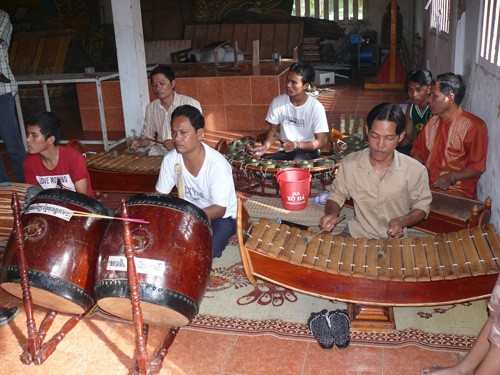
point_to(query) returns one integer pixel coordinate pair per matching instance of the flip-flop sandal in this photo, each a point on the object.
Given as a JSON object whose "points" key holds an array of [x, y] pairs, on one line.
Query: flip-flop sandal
{"points": [[319, 325], [341, 324]]}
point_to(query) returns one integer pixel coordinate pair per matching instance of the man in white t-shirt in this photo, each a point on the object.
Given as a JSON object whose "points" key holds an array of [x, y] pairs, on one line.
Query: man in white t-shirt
{"points": [[299, 118], [207, 176]]}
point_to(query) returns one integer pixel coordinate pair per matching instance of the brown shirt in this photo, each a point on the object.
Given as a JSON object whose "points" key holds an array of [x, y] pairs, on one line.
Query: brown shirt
{"points": [[404, 187]]}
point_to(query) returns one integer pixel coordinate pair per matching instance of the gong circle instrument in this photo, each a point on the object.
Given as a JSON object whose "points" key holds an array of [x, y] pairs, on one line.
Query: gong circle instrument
{"points": [[258, 176]]}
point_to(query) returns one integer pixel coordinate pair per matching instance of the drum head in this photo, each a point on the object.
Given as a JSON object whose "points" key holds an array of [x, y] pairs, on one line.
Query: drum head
{"points": [[82, 200], [152, 313], [160, 306], [46, 299], [171, 202]]}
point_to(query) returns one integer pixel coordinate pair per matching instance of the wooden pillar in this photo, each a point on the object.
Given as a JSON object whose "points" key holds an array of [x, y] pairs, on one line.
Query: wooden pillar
{"points": [[392, 52], [127, 20]]}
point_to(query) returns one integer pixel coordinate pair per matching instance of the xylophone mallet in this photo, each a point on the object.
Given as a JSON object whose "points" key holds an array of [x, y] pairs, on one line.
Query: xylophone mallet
{"points": [[180, 186]]}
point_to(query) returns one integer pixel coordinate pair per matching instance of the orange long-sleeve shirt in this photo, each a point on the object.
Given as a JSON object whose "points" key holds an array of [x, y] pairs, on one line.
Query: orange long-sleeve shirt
{"points": [[452, 144]]}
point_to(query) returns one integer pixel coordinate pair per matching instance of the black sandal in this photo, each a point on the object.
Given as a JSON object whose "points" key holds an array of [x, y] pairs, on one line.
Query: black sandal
{"points": [[319, 324], [341, 324]]}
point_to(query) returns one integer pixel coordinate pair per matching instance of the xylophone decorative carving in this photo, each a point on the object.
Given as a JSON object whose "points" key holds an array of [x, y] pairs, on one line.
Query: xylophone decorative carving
{"points": [[431, 270]]}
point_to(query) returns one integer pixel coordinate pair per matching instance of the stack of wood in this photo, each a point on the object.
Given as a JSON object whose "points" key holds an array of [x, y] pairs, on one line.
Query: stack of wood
{"points": [[310, 49]]}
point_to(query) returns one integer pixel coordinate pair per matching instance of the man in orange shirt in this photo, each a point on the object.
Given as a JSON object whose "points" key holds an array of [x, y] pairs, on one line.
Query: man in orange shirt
{"points": [[453, 143]]}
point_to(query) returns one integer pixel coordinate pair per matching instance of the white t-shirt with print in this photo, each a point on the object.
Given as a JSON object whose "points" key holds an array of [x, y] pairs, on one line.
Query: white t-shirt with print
{"points": [[297, 123], [213, 185]]}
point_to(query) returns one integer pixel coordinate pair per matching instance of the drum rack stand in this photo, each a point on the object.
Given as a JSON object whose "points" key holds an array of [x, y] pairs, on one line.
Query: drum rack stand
{"points": [[38, 351], [141, 330]]}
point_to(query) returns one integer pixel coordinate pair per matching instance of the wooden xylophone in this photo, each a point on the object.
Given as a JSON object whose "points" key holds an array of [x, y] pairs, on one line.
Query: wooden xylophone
{"points": [[373, 274], [6, 214], [124, 171]]}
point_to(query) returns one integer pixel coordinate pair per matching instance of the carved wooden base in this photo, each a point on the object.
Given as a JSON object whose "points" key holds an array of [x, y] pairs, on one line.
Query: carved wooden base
{"points": [[371, 318]]}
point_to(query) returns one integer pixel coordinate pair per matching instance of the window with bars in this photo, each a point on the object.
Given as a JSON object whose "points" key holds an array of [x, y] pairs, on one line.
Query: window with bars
{"points": [[489, 53], [440, 16], [332, 10]]}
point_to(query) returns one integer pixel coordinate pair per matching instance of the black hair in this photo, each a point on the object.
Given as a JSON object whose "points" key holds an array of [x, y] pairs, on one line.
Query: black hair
{"points": [[388, 112], [451, 83], [163, 69], [192, 113], [49, 124], [303, 69], [421, 76]]}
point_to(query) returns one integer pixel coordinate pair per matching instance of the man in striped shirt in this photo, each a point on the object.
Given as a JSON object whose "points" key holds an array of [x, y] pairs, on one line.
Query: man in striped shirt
{"points": [[159, 111], [9, 127]]}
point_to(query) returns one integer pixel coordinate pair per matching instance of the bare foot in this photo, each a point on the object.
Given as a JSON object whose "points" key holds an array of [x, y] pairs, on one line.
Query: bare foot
{"points": [[436, 370]]}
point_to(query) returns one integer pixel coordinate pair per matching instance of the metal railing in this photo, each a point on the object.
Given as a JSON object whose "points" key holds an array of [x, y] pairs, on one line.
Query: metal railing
{"points": [[45, 80]]}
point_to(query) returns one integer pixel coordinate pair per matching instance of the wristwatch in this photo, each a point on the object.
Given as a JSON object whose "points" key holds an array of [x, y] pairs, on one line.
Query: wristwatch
{"points": [[297, 144], [453, 179]]}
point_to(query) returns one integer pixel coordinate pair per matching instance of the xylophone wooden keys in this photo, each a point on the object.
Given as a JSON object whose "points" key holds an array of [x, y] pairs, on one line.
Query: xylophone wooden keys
{"points": [[432, 258], [359, 265], [484, 240], [384, 259], [293, 239]]}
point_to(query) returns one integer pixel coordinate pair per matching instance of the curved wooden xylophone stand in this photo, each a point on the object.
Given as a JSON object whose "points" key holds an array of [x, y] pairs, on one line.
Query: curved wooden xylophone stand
{"points": [[372, 276], [37, 351], [141, 330]]}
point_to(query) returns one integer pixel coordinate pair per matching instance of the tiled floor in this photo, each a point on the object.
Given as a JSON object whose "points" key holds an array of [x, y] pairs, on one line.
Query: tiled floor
{"points": [[103, 346]]}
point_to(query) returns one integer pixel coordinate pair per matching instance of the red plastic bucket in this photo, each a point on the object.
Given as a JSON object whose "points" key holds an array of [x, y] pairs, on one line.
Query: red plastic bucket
{"points": [[295, 184]]}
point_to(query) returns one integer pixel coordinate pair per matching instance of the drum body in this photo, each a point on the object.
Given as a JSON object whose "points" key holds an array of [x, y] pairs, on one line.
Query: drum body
{"points": [[61, 253], [173, 257]]}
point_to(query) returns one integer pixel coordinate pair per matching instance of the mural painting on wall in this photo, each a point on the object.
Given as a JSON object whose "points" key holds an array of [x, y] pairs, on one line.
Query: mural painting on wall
{"points": [[214, 11]]}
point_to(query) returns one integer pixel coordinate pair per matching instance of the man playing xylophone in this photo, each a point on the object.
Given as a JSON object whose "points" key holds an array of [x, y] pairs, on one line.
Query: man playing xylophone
{"points": [[49, 165], [390, 190], [300, 119], [159, 111], [453, 143]]}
